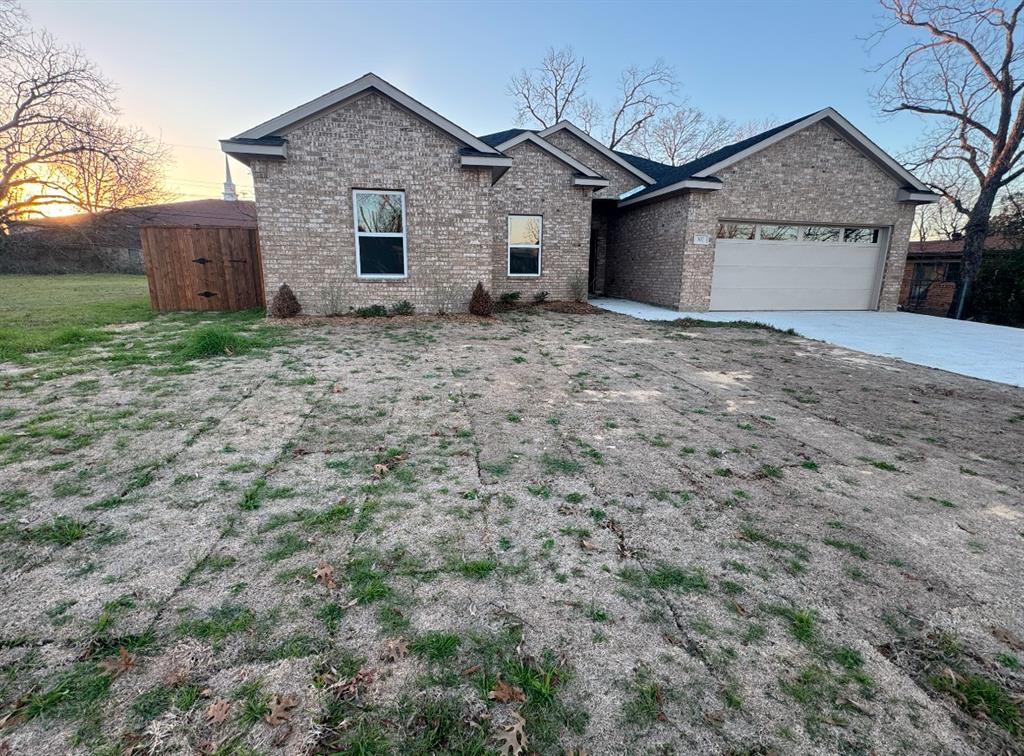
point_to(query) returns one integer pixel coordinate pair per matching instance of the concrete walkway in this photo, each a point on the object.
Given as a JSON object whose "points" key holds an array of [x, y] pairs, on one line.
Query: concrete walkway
{"points": [[993, 353]]}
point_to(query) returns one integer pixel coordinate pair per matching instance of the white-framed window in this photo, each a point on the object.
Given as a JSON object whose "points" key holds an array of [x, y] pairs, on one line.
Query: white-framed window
{"points": [[524, 243], [379, 219]]}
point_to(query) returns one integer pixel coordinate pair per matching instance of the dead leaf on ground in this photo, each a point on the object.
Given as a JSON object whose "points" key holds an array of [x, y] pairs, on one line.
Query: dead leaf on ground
{"points": [[740, 609], [280, 709], [395, 649], [471, 670], [504, 692], [218, 711], [587, 545], [380, 469], [324, 574], [1004, 635], [512, 738], [5, 749], [117, 665], [350, 688], [853, 704]]}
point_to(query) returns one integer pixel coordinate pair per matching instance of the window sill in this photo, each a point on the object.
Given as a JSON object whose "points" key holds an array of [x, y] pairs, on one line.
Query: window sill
{"points": [[382, 278], [523, 275]]}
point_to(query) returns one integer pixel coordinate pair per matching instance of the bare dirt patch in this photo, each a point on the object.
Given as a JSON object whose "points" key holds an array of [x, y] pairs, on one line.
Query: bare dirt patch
{"points": [[430, 535]]}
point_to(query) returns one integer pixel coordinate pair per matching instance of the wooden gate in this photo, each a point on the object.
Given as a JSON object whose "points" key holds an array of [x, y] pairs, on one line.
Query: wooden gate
{"points": [[203, 268]]}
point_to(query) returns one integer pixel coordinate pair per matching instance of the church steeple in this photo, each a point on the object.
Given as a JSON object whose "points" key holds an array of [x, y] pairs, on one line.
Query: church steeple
{"points": [[229, 185]]}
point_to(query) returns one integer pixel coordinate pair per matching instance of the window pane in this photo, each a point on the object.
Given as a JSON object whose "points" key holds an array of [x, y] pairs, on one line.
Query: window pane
{"points": [[379, 213], [381, 256], [778, 233], [861, 235], [821, 234], [524, 229], [952, 272], [736, 230], [524, 261]]}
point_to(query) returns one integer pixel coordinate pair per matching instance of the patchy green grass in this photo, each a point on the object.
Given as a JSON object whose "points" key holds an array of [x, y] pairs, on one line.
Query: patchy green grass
{"points": [[39, 313]]}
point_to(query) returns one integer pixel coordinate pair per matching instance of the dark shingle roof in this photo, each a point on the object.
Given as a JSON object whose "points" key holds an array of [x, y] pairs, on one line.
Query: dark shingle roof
{"points": [[667, 175], [499, 137]]}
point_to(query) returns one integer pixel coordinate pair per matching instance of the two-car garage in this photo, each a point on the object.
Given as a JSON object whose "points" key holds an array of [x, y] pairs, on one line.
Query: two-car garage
{"points": [[786, 266]]}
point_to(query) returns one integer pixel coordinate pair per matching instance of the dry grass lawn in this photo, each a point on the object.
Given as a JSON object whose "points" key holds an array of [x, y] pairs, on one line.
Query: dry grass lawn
{"points": [[441, 536]]}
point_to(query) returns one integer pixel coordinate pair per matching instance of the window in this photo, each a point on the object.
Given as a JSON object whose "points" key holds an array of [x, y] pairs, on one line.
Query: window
{"points": [[736, 230], [860, 235], [952, 272], [380, 234], [822, 234], [524, 240], [778, 233]]}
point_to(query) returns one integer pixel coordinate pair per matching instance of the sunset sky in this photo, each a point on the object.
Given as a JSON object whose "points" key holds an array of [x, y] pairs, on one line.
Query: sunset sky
{"points": [[194, 72]]}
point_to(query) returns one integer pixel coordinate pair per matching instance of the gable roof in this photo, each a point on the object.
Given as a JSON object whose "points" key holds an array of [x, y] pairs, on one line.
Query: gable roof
{"points": [[501, 136], [534, 138], [597, 146], [671, 179], [255, 140]]}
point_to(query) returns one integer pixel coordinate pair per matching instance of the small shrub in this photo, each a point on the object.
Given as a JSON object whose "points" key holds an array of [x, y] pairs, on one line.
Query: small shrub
{"points": [[507, 301], [405, 307], [285, 304], [372, 311], [481, 303], [578, 287], [333, 299], [541, 296]]}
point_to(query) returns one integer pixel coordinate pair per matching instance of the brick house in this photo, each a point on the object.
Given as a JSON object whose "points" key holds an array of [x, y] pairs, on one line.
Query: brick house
{"points": [[933, 271], [366, 196]]}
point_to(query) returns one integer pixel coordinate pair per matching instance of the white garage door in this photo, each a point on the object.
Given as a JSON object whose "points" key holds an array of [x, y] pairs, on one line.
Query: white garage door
{"points": [[762, 266]]}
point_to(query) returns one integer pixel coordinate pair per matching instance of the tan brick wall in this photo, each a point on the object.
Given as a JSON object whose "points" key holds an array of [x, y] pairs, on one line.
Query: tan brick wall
{"points": [[620, 180], [304, 206], [813, 176], [539, 184], [644, 260], [456, 221]]}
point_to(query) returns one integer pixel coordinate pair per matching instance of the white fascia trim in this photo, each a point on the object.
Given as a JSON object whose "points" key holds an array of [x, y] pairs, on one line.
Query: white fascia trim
{"points": [[369, 81], [851, 131], [262, 150], [608, 153], [586, 181], [904, 195], [565, 157], [491, 162], [693, 184]]}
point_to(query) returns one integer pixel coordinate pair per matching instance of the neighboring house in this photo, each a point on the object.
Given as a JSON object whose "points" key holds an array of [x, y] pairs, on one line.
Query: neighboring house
{"points": [[366, 196], [933, 271], [109, 242]]}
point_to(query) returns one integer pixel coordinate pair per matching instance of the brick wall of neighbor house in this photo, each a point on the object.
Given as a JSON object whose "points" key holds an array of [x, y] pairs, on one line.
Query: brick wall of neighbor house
{"points": [[305, 209], [539, 184], [813, 176], [938, 293], [644, 260], [620, 180]]}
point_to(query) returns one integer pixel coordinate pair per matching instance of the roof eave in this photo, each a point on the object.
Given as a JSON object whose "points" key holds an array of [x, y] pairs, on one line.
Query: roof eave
{"points": [[690, 184], [246, 151]]}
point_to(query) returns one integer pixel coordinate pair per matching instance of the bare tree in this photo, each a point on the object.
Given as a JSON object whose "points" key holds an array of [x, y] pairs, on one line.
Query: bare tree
{"points": [[682, 135], [58, 142], [120, 166], [556, 91], [642, 96], [552, 92], [963, 71]]}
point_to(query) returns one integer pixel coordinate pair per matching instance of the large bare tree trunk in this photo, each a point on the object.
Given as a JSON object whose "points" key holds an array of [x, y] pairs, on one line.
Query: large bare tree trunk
{"points": [[975, 235]]}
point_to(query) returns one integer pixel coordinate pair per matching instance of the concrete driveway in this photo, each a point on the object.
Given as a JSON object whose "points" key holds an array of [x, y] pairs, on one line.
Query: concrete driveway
{"points": [[993, 353]]}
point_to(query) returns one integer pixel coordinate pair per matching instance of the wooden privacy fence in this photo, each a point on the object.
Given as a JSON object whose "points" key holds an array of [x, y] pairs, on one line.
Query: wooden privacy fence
{"points": [[203, 268]]}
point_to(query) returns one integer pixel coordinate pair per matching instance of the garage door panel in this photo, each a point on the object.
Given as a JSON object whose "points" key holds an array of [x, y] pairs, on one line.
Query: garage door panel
{"points": [[775, 276], [791, 299], [803, 275]]}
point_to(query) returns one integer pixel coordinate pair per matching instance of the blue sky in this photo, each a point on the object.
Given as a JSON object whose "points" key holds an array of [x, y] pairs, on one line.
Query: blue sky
{"points": [[194, 72]]}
